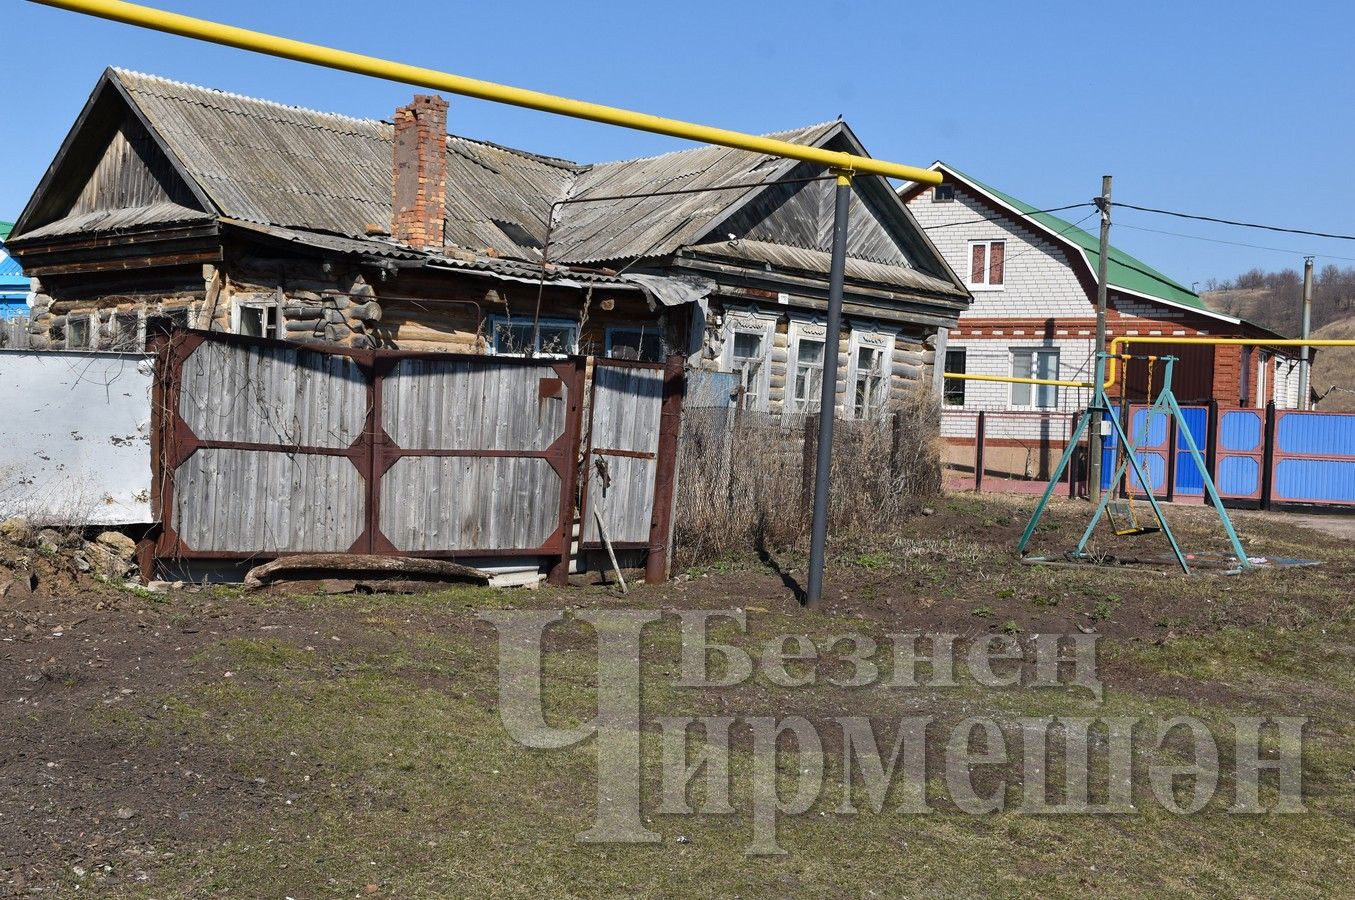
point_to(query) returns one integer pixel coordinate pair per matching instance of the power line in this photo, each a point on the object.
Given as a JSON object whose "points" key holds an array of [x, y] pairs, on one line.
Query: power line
{"points": [[1181, 215], [1197, 237]]}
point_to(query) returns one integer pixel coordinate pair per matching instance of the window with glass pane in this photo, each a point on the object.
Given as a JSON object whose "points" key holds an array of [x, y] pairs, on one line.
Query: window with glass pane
{"points": [[870, 382], [635, 343], [515, 336], [808, 374], [258, 321], [987, 263], [77, 332], [557, 338], [954, 387], [748, 355], [1035, 364]]}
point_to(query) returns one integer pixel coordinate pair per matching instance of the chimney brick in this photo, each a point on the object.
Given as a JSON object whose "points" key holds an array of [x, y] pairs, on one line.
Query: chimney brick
{"points": [[419, 181]]}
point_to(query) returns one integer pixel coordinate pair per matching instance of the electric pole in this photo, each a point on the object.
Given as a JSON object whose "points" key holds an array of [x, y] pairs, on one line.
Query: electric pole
{"points": [[1094, 439], [1305, 366]]}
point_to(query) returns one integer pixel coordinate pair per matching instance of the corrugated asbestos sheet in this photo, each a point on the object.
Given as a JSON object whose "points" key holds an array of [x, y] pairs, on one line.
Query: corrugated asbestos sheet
{"points": [[325, 177], [77, 437], [814, 261], [655, 226], [272, 164], [106, 221]]}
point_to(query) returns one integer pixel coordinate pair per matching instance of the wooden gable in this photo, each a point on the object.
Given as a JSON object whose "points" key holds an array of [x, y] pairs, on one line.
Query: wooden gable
{"points": [[109, 161], [797, 210], [132, 172]]}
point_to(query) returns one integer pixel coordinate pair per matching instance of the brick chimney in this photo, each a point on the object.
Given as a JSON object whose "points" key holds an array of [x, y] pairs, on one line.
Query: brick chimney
{"points": [[419, 189]]}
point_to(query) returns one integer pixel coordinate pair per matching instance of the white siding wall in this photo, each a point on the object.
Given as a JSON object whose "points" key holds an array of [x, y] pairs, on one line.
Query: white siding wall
{"points": [[993, 356], [1039, 283], [1286, 384]]}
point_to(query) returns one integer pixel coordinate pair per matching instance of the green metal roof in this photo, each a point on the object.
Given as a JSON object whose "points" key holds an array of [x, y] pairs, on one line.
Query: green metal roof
{"points": [[1122, 271], [5, 229]]}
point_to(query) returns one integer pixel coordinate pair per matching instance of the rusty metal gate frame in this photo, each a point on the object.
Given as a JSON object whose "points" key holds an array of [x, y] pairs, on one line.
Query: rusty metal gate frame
{"points": [[372, 453], [665, 467]]}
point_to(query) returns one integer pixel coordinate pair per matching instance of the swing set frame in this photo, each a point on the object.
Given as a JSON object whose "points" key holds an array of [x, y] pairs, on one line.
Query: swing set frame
{"points": [[1129, 451]]}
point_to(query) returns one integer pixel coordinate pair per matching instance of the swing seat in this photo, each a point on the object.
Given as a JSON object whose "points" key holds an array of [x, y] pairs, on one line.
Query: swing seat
{"points": [[1124, 522]]}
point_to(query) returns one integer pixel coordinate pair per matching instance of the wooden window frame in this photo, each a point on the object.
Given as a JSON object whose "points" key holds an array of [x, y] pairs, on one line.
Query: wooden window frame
{"points": [[267, 307], [878, 338], [763, 326], [799, 331], [640, 330], [951, 387], [90, 322]]}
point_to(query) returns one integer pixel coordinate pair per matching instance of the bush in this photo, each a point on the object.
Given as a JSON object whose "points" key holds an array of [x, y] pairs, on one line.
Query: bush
{"points": [[745, 480]]}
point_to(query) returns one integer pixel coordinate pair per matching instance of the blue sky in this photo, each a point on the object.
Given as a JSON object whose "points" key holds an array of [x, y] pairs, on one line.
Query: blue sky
{"points": [[1239, 109]]}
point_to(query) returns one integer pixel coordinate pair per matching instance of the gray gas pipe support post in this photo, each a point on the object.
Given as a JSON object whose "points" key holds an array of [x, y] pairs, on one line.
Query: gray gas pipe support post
{"points": [[828, 396]]}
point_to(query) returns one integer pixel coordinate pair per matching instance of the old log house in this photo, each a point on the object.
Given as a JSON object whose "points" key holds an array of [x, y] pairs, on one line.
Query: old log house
{"points": [[238, 214]]}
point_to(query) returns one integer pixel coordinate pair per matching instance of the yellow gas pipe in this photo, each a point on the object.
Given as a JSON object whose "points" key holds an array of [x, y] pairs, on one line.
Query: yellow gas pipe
{"points": [[315, 54]]}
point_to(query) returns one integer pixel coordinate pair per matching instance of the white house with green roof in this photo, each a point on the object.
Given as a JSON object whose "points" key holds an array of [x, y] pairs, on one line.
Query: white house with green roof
{"points": [[1033, 279]]}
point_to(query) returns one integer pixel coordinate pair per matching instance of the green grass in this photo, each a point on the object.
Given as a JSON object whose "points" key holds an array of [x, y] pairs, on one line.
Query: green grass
{"points": [[399, 773]]}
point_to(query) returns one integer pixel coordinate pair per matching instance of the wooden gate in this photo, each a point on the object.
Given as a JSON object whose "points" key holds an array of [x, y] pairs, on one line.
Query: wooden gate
{"points": [[636, 409], [263, 448]]}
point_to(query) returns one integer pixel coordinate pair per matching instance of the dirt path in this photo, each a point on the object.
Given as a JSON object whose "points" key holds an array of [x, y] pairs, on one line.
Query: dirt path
{"points": [[1338, 526]]}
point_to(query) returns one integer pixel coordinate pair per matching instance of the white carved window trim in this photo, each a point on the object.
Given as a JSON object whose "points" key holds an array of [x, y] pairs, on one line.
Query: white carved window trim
{"points": [[882, 339], [268, 309], [749, 321], [798, 330]]}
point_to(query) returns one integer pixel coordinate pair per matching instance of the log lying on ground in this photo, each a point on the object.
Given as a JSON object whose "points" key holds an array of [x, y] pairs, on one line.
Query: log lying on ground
{"points": [[362, 567]]}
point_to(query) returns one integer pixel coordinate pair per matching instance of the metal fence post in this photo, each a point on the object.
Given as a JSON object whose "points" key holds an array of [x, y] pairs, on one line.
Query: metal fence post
{"points": [[1268, 456], [980, 439]]}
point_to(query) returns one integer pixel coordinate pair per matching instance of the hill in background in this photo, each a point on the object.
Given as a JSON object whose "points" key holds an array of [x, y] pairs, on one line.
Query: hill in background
{"points": [[1334, 368], [1274, 300]]}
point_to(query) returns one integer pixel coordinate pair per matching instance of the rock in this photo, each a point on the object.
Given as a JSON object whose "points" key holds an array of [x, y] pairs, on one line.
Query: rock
{"points": [[108, 561], [125, 812], [16, 530], [81, 562], [928, 511], [118, 542], [159, 587], [49, 540]]}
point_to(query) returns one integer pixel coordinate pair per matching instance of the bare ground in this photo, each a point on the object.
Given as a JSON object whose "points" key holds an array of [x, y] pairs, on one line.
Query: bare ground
{"points": [[211, 743]]}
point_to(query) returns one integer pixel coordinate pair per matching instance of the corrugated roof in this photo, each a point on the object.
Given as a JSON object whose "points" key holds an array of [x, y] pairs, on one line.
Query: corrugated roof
{"points": [[656, 226], [5, 229], [813, 261], [108, 221], [272, 166], [268, 163]]}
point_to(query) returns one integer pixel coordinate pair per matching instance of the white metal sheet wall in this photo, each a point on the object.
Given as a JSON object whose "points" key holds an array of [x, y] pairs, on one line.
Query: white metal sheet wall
{"points": [[76, 445]]}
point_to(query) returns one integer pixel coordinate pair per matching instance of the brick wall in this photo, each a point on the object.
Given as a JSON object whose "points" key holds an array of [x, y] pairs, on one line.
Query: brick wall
{"points": [[419, 180]]}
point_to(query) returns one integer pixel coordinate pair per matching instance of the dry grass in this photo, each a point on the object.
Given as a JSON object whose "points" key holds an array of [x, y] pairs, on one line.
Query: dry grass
{"points": [[745, 480]]}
